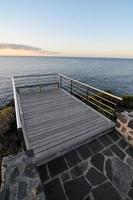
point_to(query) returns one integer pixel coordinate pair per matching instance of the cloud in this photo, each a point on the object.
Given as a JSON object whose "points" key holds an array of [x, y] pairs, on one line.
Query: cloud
{"points": [[26, 48]]}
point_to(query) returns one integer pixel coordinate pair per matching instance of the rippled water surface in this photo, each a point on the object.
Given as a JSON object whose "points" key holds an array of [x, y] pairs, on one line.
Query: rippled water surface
{"points": [[103, 73]]}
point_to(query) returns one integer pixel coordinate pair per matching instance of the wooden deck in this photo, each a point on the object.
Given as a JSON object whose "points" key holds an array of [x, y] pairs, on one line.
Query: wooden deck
{"points": [[54, 122]]}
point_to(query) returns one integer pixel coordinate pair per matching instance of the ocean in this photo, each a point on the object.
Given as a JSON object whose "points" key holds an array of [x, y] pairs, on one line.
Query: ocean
{"points": [[103, 73]]}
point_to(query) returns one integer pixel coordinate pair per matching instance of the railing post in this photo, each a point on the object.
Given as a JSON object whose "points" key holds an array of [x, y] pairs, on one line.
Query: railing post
{"points": [[71, 86], [60, 83], [87, 95]]}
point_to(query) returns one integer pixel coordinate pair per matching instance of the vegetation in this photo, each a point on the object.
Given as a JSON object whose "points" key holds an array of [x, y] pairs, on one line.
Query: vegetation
{"points": [[128, 101], [10, 142], [7, 116]]}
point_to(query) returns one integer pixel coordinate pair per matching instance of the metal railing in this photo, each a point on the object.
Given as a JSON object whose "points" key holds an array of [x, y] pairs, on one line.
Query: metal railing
{"points": [[29, 81], [17, 108], [102, 101]]}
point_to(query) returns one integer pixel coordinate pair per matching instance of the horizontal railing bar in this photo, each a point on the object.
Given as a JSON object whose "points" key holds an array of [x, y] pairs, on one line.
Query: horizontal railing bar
{"points": [[85, 90], [73, 85], [66, 87], [77, 91], [101, 108], [34, 75], [65, 82], [69, 85], [101, 103], [113, 96], [102, 98], [80, 92], [93, 104], [36, 85]]}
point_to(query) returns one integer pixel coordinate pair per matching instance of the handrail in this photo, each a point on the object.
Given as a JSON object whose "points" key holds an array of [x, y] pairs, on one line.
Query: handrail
{"points": [[118, 98], [34, 75], [85, 92], [18, 119], [100, 100]]}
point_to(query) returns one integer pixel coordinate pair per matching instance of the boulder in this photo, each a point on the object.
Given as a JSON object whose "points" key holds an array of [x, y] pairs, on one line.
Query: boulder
{"points": [[124, 125], [20, 176]]}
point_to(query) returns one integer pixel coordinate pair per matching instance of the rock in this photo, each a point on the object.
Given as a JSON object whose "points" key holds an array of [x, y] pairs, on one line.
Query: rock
{"points": [[6, 101], [129, 138], [4, 194], [123, 129], [95, 177], [122, 118], [130, 124], [118, 124], [120, 174], [108, 169], [20, 175], [79, 169], [54, 190], [65, 176], [77, 189], [124, 126], [1, 147], [130, 193], [98, 161], [106, 191], [22, 190], [14, 175], [129, 162]]}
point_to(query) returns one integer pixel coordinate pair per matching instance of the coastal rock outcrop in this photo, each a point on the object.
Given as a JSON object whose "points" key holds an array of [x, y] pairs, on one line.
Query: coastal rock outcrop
{"points": [[124, 125], [20, 178]]}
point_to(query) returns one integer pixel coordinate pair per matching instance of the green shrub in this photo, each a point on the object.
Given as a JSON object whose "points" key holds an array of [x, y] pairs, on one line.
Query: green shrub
{"points": [[7, 116], [128, 101]]}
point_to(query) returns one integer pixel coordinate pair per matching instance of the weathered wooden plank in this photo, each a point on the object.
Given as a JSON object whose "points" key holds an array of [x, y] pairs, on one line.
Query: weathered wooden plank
{"points": [[59, 127], [50, 114], [52, 122], [55, 121], [45, 156], [62, 135], [50, 109], [71, 129], [53, 118], [53, 144]]}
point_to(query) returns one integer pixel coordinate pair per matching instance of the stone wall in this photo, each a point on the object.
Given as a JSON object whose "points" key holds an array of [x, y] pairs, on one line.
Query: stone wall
{"points": [[20, 178], [124, 125]]}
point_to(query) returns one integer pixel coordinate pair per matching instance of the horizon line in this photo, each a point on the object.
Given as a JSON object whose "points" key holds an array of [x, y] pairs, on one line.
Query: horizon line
{"points": [[50, 56]]}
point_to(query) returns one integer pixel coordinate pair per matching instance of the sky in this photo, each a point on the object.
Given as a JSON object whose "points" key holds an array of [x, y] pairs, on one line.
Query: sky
{"points": [[92, 28]]}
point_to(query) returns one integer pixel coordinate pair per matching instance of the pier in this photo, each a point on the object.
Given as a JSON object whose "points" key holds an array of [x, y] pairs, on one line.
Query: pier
{"points": [[58, 114]]}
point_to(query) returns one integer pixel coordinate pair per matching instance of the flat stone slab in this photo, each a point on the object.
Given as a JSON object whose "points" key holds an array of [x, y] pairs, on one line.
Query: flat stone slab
{"points": [[54, 190], [98, 161], [106, 192], [95, 177], [77, 189], [99, 170], [120, 174]]}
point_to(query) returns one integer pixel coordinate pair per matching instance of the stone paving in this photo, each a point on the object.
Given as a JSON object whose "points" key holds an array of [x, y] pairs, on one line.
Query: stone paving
{"points": [[99, 170]]}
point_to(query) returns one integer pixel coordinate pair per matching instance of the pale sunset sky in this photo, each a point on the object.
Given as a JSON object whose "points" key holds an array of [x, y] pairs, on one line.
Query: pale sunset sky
{"points": [[93, 28]]}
